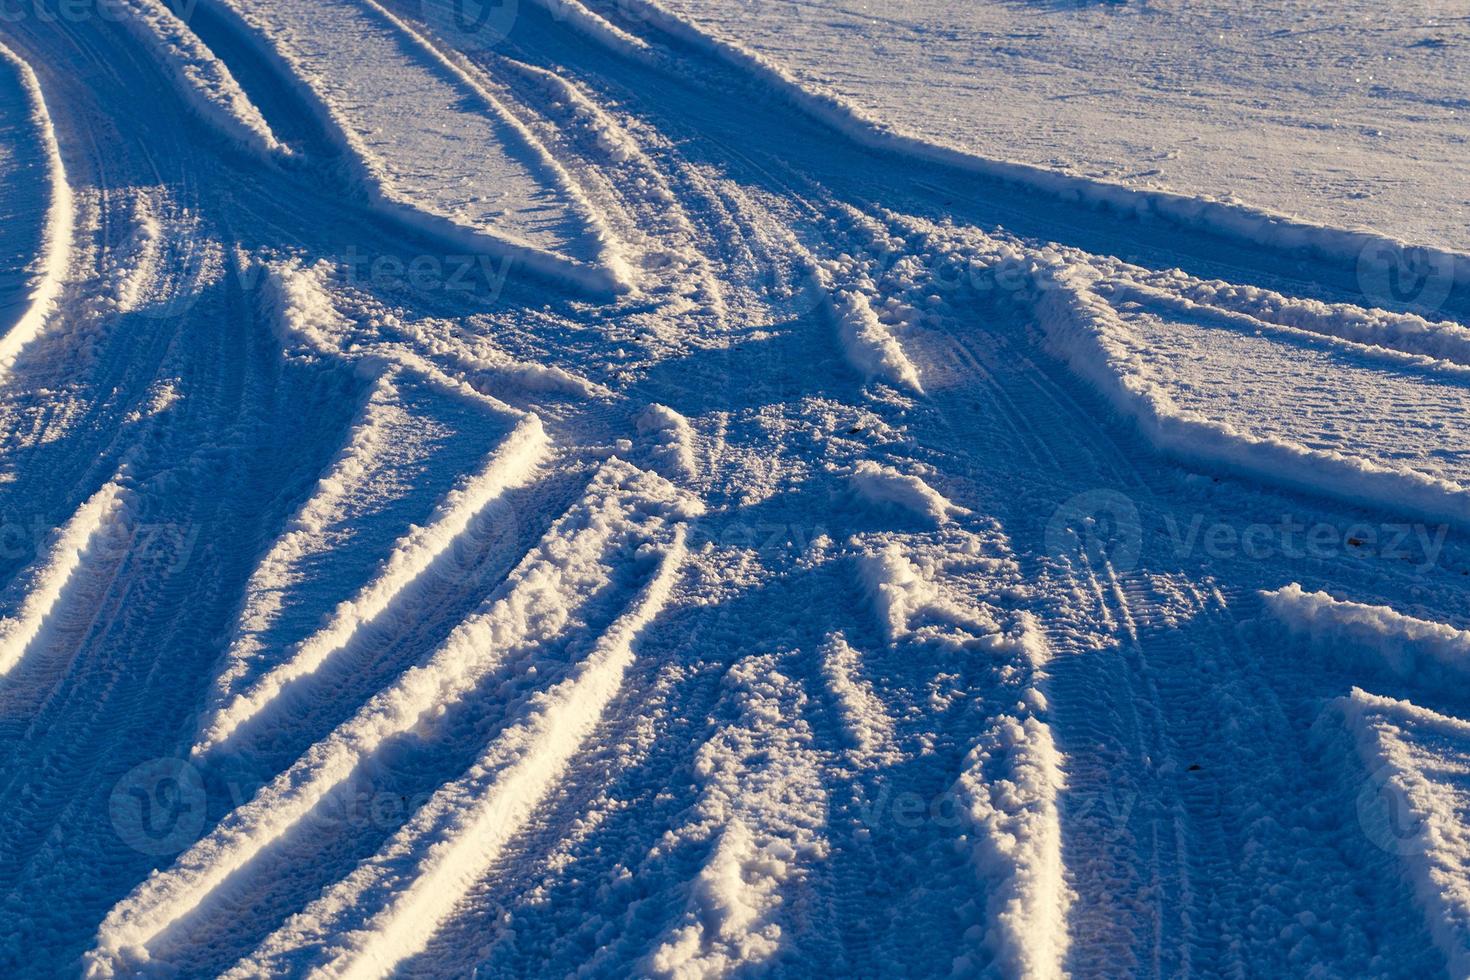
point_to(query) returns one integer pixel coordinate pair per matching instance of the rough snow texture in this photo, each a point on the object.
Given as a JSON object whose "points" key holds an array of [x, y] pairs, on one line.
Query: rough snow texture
{"points": [[762, 806]]}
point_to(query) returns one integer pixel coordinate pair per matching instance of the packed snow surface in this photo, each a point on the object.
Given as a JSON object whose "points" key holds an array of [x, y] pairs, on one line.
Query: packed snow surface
{"points": [[677, 489]]}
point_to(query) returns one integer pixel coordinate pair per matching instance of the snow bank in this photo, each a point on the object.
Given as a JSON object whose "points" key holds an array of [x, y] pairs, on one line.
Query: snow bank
{"points": [[869, 345], [203, 79], [1011, 785], [511, 465], [885, 486], [675, 446], [1374, 636], [763, 803], [1087, 333], [44, 583], [352, 63], [54, 261], [868, 725], [411, 886], [1414, 758], [1404, 332], [623, 508], [1237, 221], [912, 605]]}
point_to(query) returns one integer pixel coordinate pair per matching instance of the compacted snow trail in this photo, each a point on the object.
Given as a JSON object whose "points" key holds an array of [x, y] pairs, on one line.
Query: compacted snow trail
{"points": [[521, 497]]}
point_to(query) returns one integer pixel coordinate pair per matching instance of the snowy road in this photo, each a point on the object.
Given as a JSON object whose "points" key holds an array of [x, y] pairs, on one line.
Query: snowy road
{"points": [[544, 495]]}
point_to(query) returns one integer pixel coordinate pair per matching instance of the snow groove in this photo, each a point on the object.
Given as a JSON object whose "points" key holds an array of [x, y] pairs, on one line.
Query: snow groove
{"points": [[406, 891], [623, 506], [53, 263], [202, 78], [45, 582], [511, 465], [354, 61]]}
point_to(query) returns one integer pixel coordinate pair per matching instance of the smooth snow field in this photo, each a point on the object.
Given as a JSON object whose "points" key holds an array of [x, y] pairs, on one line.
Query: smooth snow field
{"points": [[675, 488]]}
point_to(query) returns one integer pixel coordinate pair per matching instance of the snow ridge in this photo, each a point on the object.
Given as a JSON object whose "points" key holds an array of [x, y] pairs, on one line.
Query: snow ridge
{"points": [[536, 602], [869, 345], [1409, 648], [50, 269], [511, 465], [204, 80], [413, 884], [45, 581], [887, 487]]}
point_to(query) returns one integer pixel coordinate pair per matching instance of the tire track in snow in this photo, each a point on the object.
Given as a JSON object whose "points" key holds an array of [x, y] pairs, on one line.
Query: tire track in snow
{"points": [[399, 582], [623, 508], [399, 897]]}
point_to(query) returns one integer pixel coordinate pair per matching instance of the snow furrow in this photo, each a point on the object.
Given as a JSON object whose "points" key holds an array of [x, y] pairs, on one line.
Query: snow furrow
{"points": [[406, 891], [1244, 223], [53, 262], [354, 62], [203, 79], [1361, 635], [1413, 805], [510, 466], [44, 583], [1085, 331], [623, 507]]}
